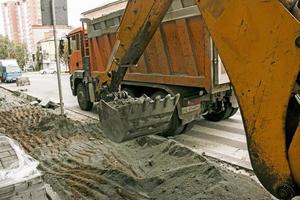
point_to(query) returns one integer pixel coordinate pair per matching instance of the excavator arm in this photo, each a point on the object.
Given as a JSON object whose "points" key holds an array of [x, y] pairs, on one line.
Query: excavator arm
{"points": [[259, 43], [139, 23]]}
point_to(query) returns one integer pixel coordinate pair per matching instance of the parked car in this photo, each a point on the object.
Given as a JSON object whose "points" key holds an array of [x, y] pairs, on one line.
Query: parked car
{"points": [[48, 71], [9, 70]]}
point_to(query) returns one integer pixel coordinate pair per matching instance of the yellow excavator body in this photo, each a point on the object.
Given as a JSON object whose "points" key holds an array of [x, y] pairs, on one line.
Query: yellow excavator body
{"points": [[259, 43], [261, 57]]}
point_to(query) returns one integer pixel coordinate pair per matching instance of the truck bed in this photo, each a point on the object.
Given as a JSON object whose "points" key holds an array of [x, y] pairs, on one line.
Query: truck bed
{"points": [[179, 54]]}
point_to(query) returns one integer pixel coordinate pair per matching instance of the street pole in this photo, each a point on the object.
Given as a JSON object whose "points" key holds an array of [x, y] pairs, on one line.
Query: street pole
{"points": [[57, 59]]}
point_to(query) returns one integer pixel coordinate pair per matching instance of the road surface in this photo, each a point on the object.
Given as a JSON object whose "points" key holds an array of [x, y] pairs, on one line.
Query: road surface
{"points": [[224, 140]]}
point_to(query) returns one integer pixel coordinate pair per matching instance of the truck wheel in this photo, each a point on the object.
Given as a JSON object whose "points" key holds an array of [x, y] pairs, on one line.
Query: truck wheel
{"points": [[233, 112], [219, 114], [189, 126], [83, 98], [292, 120], [175, 127]]}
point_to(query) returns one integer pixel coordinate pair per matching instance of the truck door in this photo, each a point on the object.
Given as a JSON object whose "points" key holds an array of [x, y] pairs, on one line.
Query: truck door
{"points": [[75, 57]]}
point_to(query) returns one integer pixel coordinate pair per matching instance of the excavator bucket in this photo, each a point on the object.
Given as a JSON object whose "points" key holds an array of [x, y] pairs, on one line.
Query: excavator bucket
{"points": [[126, 119]]}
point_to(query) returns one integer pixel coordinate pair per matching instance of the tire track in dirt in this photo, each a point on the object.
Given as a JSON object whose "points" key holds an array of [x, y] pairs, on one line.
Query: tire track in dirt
{"points": [[87, 183], [80, 164]]}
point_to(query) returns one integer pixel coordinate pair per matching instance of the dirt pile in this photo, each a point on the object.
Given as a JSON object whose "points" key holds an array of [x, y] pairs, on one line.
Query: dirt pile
{"points": [[80, 163], [9, 101]]}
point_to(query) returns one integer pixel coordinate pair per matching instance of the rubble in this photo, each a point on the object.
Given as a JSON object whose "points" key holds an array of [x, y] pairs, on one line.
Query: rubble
{"points": [[19, 177], [22, 81], [80, 163]]}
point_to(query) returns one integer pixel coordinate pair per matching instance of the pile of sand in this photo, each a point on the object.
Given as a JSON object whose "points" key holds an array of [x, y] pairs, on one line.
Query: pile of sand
{"points": [[80, 163]]}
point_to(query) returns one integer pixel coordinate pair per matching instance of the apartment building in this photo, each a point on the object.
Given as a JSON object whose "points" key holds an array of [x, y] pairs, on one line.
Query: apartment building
{"points": [[18, 18], [22, 20]]}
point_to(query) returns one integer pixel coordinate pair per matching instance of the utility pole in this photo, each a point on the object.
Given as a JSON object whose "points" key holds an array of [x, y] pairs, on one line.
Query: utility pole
{"points": [[57, 58]]}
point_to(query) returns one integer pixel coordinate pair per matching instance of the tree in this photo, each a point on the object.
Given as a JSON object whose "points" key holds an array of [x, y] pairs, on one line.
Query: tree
{"points": [[6, 47], [39, 59], [64, 52], [20, 54], [13, 50]]}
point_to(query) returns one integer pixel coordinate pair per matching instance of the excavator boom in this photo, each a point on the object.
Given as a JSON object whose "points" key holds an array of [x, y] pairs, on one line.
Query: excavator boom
{"points": [[258, 42]]}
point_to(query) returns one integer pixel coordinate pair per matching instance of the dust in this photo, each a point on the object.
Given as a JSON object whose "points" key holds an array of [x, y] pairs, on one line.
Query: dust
{"points": [[80, 163]]}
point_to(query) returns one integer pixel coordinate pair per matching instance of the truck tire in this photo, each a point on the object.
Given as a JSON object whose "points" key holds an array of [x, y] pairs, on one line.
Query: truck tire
{"points": [[218, 115], [292, 120], [188, 127], [175, 127], [83, 98], [233, 112]]}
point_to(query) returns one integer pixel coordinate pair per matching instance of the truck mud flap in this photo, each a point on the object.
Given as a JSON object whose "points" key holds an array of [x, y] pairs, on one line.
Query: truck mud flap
{"points": [[126, 119]]}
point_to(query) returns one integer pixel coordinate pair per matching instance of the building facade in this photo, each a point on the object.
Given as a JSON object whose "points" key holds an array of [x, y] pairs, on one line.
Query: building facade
{"points": [[18, 18], [40, 32], [47, 50], [22, 20], [43, 37]]}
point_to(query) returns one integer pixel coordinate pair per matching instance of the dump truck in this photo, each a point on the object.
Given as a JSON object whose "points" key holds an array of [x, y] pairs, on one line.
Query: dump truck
{"points": [[180, 59], [259, 43]]}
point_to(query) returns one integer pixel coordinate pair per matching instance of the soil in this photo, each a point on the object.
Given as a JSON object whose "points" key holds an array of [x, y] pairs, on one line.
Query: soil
{"points": [[79, 163]]}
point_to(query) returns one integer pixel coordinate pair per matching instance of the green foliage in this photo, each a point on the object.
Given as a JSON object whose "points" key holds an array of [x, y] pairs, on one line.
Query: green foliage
{"points": [[12, 50], [39, 60], [63, 51]]}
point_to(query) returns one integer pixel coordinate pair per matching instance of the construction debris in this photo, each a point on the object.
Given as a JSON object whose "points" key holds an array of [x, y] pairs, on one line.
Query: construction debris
{"points": [[22, 81], [80, 163], [19, 177]]}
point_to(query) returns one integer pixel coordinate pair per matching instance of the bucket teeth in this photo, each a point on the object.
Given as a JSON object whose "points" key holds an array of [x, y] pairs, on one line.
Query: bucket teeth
{"points": [[156, 102], [147, 103], [126, 119]]}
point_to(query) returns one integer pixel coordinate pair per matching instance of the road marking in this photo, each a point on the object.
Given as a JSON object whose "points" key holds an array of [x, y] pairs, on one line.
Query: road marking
{"points": [[225, 140], [226, 134], [222, 152], [234, 127]]}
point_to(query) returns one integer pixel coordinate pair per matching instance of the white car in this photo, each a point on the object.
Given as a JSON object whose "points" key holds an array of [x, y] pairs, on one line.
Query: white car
{"points": [[48, 71]]}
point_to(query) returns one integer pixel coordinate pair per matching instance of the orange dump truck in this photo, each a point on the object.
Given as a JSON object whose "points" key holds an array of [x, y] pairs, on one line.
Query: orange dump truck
{"points": [[180, 59]]}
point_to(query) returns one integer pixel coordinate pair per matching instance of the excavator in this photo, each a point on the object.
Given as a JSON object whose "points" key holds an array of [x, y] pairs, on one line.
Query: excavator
{"points": [[259, 43]]}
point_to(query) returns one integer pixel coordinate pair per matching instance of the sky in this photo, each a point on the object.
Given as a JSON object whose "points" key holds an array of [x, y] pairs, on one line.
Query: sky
{"points": [[76, 7]]}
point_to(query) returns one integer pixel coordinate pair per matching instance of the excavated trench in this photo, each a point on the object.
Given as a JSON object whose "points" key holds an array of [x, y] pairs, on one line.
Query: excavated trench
{"points": [[79, 163]]}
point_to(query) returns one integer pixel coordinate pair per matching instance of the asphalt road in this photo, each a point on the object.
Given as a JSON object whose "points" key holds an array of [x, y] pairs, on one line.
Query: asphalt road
{"points": [[45, 87], [224, 140]]}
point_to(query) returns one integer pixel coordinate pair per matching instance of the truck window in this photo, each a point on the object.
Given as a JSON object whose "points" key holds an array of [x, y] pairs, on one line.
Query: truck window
{"points": [[73, 43], [13, 69], [77, 42]]}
